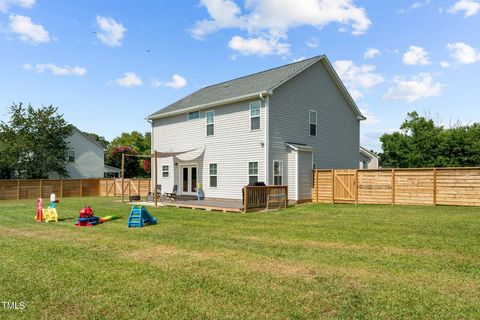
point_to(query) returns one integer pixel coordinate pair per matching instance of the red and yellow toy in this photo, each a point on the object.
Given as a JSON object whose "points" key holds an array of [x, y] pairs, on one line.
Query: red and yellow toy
{"points": [[49, 214], [87, 219]]}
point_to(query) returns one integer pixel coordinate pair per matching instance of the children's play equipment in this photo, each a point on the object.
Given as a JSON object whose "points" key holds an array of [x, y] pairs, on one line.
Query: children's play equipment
{"points": [[88, 219], [49, 214], [139, 216]]}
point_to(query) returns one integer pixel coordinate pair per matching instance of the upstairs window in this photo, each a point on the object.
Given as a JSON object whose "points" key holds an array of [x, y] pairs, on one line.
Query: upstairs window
{"points": [[165, 171], [277, 173], [252, 172], [255, 115], [313, 123], [194, 115], [213, 175], [210, 120], [71, 156]]}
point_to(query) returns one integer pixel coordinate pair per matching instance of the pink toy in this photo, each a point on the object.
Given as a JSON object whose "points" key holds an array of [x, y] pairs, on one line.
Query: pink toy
{"points": [[39, 215]]}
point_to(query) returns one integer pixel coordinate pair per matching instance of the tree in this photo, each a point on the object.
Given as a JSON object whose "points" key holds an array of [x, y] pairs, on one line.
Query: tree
{"points": [[100, 139], [33, 143], [136, 143], [424, 143], [131, 167]]}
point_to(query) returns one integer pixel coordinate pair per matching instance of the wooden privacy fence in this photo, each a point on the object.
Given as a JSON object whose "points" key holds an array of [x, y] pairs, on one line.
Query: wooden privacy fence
{"points": [[429, 186], [34, 188], [256, 197]]}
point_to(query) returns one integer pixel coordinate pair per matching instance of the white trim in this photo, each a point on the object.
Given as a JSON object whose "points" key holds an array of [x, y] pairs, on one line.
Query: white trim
{"points": [[252, 175], [298, 147], [310, 122], [206, 123], [168, 171], [210, 175], [281, 173], [267, 140], [368, 153], [180, 177], [188, 115], [211, 104], [296, 175]]}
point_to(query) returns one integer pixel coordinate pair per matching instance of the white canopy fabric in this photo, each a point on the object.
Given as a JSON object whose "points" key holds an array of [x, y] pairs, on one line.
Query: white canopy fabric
{"points": [[170, 153], [191, 155]]}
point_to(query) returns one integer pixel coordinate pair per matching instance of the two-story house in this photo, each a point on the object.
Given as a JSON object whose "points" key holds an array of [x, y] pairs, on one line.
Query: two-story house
{"points": [[273, 126]]}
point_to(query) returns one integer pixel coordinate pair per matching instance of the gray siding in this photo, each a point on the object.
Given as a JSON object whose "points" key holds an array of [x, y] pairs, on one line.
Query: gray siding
{"points": [[232, 147], [89, 158], [337, 142]]}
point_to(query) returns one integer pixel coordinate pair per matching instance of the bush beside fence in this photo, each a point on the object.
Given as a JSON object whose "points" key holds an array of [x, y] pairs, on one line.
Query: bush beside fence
{"points": [[426, 186]]}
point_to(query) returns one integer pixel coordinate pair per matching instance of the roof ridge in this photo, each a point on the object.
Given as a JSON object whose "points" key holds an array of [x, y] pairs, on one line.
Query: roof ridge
{"points": [[264, 71]]}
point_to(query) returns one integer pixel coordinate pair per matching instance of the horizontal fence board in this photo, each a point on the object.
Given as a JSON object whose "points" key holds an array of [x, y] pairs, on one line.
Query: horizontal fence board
{"points": [[422, 186]]}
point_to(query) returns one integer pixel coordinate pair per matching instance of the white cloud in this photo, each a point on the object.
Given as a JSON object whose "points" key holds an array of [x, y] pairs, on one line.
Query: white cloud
{"points": [[129, 79], [111, 32], [6, 4], [371, 119], [258, 46], [27, 30], [463, 53], [417, 87], [371, 53], [469, 7], [357, 77], [444, 64], [270, 20], [420, 4], [416, 56], [299, 59], [312, 42], [155, 83], [56, 70], [177, 82]]}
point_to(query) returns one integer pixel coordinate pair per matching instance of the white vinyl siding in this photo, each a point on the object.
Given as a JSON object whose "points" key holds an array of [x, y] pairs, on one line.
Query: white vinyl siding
{"points": [[252, 172], [213, 179], [232, 147], [313, 123], [278, 173], [255, 118], [210, 122]]}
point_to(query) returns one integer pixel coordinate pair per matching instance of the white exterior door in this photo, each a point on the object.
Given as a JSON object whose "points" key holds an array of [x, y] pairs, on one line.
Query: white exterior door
{"points": [[188, 180]]}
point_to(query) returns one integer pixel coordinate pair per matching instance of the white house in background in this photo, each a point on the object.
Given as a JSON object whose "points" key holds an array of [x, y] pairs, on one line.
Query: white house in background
{"points": [[273, 126], [368, 159], [86, 158]]}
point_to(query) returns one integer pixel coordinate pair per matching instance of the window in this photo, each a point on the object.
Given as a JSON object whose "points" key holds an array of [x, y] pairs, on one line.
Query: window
{"points": [[255, 115], [194, 115], [210, 117], [71, 156], [213, 175], [252, 172], [313, 123], [165, 171], [277, 173]]}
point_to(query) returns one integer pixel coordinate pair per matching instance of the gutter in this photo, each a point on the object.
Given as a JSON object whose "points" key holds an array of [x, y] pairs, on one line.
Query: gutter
{"points": [[211, 104]]}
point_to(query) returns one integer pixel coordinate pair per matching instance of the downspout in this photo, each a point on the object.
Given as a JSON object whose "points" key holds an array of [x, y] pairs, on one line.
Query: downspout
{"points": [[266, 142]]}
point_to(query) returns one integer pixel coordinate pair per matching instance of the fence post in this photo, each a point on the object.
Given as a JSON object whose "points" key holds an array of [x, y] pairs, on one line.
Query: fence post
{"points": [[333, 186], [138, 190], [81, 187], [40, 191], [393, 187], [316, 186], [61, 188], [123, 172], [286, 196], [434, 186], [18, 189], [114, 187], [245, 200], [356, 186]]}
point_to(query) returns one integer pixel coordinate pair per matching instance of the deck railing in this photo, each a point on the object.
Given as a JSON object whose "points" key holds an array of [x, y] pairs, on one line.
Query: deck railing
{"points": [[256, 197]]}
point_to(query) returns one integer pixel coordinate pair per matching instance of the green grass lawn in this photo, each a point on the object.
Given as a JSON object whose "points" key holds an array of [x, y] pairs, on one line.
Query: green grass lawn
{"points": [[306, 262]]}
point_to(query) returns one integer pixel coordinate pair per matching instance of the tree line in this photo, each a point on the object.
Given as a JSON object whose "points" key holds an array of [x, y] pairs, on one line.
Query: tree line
{"points": [[33, 145]]}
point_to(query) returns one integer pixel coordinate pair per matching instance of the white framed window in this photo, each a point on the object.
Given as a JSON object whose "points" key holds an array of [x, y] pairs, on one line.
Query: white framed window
{"points": [[194, 115], [277, 172], [213, 175], [210, 122], [71, 155], [165, 171], [255, 115], [313, 123], [252, 172]]}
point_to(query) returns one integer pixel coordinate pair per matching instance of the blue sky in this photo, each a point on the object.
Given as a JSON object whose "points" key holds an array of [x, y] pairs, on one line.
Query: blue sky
{"points": [[108, 64]]}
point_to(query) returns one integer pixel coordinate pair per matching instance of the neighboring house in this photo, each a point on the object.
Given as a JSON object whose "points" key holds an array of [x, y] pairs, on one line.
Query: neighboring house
{"points": [[273, 126], [368, 159], [86, 158]]}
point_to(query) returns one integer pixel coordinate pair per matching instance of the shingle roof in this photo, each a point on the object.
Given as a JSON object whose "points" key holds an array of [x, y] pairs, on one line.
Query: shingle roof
{"points": [[251, 84]]}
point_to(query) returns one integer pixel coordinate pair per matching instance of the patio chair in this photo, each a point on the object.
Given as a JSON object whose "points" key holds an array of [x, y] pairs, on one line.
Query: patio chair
{"points": [[171, 195]]}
